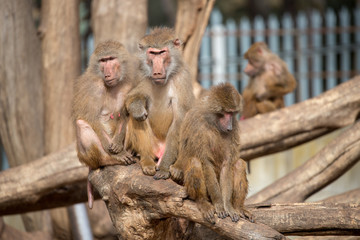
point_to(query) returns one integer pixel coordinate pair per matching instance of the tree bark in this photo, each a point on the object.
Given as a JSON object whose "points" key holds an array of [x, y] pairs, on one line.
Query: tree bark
{"points": [[57, 176], [303, 219], [21, 111], [61, 66], [10, 233], [139, 206], [191, 20], [325, 167], [349, 196], [114, 19], [21, 99]]}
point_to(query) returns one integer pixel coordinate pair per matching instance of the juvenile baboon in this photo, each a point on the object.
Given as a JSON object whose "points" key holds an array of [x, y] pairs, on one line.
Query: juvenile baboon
{"points": [[209, 162], [270, 80]]}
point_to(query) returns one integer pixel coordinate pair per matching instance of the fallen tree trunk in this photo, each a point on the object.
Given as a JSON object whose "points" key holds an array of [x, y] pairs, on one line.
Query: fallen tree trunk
{"points": [[322, 169], [21, 190]]}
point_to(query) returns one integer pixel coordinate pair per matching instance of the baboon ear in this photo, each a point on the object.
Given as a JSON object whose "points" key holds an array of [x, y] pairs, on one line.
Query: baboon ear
{"points": [[140, 46], [177, 42]]}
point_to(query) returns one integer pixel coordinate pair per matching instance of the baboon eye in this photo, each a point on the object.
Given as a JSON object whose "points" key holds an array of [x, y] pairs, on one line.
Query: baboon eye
{"points": [[157, 53]]}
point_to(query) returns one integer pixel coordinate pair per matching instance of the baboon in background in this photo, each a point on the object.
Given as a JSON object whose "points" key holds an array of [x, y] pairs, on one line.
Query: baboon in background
{"points": [[209, 162], [270, 80], [157, 105], [99, 96]]}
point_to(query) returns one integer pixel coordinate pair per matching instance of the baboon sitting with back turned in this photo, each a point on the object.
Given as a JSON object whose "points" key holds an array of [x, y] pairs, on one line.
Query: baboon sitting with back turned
{"points": [[209, 162]]}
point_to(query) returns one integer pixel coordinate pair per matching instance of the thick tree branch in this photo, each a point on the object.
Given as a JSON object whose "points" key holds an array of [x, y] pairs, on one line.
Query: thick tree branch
{"points": [[322, 169], [127, 191], [352, 196], [138, 204], [52, 181], [311, 218]]}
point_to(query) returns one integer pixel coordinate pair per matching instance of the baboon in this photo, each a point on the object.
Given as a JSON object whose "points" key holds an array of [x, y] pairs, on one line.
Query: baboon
{"points": [[209, 163], [97, 109], [157, 105], [270, 80]]}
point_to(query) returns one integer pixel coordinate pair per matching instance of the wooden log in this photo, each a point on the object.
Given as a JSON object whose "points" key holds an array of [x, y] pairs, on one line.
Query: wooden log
{"points": [[137, 202], [303, 219], [352, 196], [52, 181], [322, 169], [138, 205]]}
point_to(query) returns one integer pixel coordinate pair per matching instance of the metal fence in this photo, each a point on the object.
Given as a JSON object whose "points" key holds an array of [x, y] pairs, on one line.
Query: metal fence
{"points": [[321, 49]]}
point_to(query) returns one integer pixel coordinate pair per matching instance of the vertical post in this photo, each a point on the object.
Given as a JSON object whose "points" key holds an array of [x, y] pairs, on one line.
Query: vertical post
{"points": [[288, 52], [218, 47], [81, 229], [345, 41], [3, 158], [357, 39], [205, 60], [330, 19], [232, 52], [302, 56], [259, 27], [274, 37], [316, 64], [245, 42]]}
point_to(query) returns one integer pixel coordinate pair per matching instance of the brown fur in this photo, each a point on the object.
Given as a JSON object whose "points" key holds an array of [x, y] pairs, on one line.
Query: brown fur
{"points": [[96, 108], [270, 80], [209, 160], [158, 104]]}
